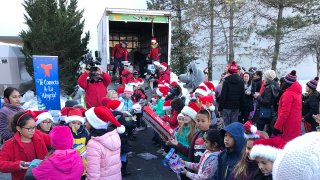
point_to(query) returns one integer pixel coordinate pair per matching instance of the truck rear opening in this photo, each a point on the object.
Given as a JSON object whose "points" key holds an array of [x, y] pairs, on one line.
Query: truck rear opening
{"points": [[138, 36], [134, 26]]}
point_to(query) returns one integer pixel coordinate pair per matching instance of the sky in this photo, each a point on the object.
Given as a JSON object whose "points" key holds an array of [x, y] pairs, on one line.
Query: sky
{"points": [[12, 15]]}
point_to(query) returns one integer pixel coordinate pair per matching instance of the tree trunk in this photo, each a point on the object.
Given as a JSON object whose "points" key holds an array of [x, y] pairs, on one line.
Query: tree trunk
{"points": [[278, 37], [231, 45], [210, 60]]}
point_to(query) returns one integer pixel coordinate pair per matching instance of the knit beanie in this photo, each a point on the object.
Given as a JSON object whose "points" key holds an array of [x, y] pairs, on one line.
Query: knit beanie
{"points": [[233, 68], [291, 77], [300, 159], [313, 83], [71, 103], [61, 138], [270, 74]]}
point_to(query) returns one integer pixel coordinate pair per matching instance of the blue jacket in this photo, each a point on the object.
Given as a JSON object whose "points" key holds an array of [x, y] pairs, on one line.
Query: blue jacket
{"points": [[227, 160], [127, 104]]}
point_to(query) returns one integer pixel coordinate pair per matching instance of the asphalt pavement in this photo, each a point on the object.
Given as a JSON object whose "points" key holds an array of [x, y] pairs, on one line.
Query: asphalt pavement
{"points": [[147, 169]]}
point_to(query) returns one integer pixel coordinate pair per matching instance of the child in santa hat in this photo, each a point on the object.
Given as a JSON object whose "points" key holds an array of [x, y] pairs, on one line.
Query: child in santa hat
{"points": [[63, 163], [127, 74], [246, 167], [75, 121], [126, 98], [44, 121], [162, 91], [265, 152], [173, 108], [103, 148]]}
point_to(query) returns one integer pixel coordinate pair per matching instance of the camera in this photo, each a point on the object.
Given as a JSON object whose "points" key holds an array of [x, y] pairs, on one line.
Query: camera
{"points": [[91, 63], [92, 66]]}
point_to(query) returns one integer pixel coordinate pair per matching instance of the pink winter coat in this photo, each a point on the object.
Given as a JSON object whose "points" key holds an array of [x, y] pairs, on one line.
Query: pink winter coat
{"points": [[62, 164], [103, 157]]}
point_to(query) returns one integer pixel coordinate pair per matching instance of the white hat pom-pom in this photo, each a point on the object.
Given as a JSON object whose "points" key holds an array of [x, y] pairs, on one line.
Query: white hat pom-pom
{"points": [[121, 129], [253, 129]]}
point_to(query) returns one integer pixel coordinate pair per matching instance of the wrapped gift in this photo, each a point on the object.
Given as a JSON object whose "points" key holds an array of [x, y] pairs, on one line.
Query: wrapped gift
{"points": [[173, 161], [159, 125]]}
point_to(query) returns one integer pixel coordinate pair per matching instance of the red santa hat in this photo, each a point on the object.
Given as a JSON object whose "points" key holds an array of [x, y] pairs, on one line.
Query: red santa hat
{"points": [[40, 116], [128, 89], [64, 113], [154, 40], [251, 132], [202, 90], [162, 91], [267, 148], [164, 65], [115, 105], [138, 81], [210, 87], [100, 118], [105, 101], [174, 84], [167, 105], [207, 99], [74, 114], [191, 110], [120, 89], [233, 68]]}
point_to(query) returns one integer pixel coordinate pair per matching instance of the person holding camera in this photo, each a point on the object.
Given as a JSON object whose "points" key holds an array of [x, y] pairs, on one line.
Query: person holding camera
{"points": [[119, 54], [95, 83]]}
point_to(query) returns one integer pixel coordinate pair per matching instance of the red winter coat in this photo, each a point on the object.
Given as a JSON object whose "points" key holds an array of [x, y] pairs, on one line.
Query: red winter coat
{"points": [[154, 53], [94, 91], [289, 112], [12, 153], [127, 77], [173, 122], [119, 52], [164, 77]]}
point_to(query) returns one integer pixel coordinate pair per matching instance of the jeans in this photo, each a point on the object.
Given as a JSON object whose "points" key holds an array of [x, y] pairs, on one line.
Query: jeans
{"points": [[117, 64], [230, 115]]}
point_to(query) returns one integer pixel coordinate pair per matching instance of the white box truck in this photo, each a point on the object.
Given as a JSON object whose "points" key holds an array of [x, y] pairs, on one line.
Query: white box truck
{"points": [[135, 26]]}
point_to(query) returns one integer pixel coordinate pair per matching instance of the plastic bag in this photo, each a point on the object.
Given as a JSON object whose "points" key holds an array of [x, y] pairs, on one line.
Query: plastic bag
{"points": [[147, 156]]}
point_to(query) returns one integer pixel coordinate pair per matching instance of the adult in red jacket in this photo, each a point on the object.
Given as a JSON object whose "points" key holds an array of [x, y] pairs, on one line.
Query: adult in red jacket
{"points": [[95, 87], [164, 75], [288, 124], [27, 144], [154, 54], [119, 54]]}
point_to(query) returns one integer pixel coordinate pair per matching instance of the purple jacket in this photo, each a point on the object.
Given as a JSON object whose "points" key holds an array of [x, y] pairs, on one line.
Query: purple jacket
{"points": [[7, 112]]}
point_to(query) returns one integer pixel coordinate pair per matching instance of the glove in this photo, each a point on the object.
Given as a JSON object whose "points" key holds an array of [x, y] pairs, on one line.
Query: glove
{"points": [[276, 132]]}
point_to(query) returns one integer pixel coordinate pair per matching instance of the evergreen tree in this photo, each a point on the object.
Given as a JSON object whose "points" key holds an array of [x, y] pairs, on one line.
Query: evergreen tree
{"points": [[183, 50], [55, 28]]}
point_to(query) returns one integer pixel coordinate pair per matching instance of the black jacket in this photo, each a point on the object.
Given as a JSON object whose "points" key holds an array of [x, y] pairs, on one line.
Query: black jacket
{"points": [[310, 106], [257, 84], [232, 93], [267, 99]]}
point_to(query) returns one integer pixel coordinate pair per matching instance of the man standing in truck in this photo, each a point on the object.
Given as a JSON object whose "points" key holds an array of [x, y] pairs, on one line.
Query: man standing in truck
{"points": [[119, 54]]}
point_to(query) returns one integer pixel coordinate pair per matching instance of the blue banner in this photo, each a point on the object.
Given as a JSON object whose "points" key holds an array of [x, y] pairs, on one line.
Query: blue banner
{"points": [[47, 82]]}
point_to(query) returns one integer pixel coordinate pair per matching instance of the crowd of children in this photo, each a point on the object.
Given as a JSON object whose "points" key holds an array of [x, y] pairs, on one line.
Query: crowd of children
{"points": [[212, 139]]}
